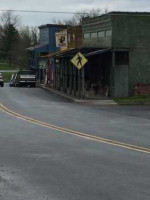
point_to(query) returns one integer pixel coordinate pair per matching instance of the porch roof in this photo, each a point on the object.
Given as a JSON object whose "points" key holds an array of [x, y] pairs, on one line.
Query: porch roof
{"points": [[56, 53], [71, 52], [85, 51]]}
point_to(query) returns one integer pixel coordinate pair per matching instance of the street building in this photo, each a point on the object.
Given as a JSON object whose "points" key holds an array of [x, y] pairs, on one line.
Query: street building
{"points": [[127, 37], [47, 44], [115, 47]]}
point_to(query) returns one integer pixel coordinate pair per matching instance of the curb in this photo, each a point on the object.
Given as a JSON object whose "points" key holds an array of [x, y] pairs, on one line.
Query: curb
{"points": [[86, 102]]}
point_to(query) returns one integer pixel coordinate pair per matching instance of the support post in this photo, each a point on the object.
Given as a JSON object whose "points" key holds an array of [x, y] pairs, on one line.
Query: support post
{"points": [[66, 76], [112, 77], [74, 81], [79, 84], [39, 75], [83, 83], [54, 73], [59, 75], [70, 78], [63, 85], [62, 75]]}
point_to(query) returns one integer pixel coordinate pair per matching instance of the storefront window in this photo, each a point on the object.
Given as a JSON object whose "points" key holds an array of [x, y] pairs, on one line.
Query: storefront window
{"points": [[87, 35], [94, 35], [101, 34], [108, 33]]}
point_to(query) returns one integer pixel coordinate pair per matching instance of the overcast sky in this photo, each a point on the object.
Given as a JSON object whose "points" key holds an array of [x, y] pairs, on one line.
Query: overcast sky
{"points": [[36, 19]]}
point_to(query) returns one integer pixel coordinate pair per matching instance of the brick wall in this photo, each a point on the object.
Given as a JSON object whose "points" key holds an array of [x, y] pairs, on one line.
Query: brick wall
{"points": [[141, 89]]}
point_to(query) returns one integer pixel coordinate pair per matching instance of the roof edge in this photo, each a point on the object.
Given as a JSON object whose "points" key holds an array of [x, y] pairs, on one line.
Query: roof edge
{"points": [[53, 25], [117, 13]]}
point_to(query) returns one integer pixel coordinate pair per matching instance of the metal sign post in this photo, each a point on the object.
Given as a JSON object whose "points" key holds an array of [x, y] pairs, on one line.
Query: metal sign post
{"points": [[79, 61]]}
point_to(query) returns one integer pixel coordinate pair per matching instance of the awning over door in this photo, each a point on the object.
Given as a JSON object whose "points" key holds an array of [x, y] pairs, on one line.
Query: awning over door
{"points": [[85, 51]]}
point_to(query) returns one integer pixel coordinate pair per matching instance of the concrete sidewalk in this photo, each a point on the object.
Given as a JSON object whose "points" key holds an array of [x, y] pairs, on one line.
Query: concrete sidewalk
{"points": [[83, 101]]}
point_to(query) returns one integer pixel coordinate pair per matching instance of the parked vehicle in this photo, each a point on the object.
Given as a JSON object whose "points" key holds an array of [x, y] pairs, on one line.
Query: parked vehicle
{"points": [[12, 80], [1, 80], [25, 78]]}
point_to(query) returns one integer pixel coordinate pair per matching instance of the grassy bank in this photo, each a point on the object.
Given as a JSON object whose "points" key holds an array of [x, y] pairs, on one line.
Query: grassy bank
{"points": [[7, 76], [6, 66], [133, 100]]}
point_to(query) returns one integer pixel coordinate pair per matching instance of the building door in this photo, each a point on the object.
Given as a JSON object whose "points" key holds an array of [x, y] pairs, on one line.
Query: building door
{"points": [[121, 81]]}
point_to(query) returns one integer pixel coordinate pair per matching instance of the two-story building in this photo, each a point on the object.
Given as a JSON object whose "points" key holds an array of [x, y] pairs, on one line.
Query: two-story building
{"points": [[126, 36], [47, 44], [117, 48], [58, 74]]}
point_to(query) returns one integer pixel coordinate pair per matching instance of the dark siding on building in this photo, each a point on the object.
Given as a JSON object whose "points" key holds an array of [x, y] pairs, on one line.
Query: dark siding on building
{"points": [[97, 25], [133, 31]]}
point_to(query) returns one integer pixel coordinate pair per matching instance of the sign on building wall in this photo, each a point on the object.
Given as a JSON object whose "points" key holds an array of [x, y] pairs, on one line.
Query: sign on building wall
{"points": [[61, 39], [42, 64]]}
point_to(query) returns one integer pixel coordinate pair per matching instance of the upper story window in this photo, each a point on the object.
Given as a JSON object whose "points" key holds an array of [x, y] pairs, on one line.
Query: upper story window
{"points": [[94, 35], [101, 34], [86, 35], [108, 33]]}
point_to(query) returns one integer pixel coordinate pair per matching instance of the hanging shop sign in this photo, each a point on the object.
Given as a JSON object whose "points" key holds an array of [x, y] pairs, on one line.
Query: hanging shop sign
{"points": [[61, 39]]}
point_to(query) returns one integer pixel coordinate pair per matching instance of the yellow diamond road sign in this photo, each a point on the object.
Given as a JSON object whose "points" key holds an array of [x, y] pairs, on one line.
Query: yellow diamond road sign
{"points": [[79, 60]]}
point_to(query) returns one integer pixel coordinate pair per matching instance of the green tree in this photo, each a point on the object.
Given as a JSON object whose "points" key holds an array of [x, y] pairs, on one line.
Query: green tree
{"points": [[9, 38], [28, 37], [9, 35], [15, 39]]}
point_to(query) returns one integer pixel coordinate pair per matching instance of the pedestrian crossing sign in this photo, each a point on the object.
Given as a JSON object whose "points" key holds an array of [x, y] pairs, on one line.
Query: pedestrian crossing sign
{"points": [[79, 60]]}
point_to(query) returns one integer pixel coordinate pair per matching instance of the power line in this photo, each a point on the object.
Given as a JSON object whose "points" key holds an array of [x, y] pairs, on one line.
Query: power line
{"points": [[40, 11]]}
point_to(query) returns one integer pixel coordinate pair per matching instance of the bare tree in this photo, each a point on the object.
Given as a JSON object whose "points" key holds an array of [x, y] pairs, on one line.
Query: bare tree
{"points": [[34, 35], [57, 21], [28, 37], [14, 39], [79, 16], [9, 17]]}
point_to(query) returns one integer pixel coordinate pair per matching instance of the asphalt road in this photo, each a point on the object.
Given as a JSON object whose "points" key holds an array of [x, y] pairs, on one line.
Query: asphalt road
{"points": [[38, 163]]}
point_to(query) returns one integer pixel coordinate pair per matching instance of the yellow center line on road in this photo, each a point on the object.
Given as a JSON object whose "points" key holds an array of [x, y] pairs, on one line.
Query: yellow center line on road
{"points": [[76, 133]]}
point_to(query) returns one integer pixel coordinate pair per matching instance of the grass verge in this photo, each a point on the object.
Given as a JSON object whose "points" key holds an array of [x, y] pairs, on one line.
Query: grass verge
{"points": [[6, 66], [145, 99], [7, 76]]}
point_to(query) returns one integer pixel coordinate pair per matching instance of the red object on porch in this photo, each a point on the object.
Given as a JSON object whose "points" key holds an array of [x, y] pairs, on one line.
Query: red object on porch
{"points": [[141, 89]]}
